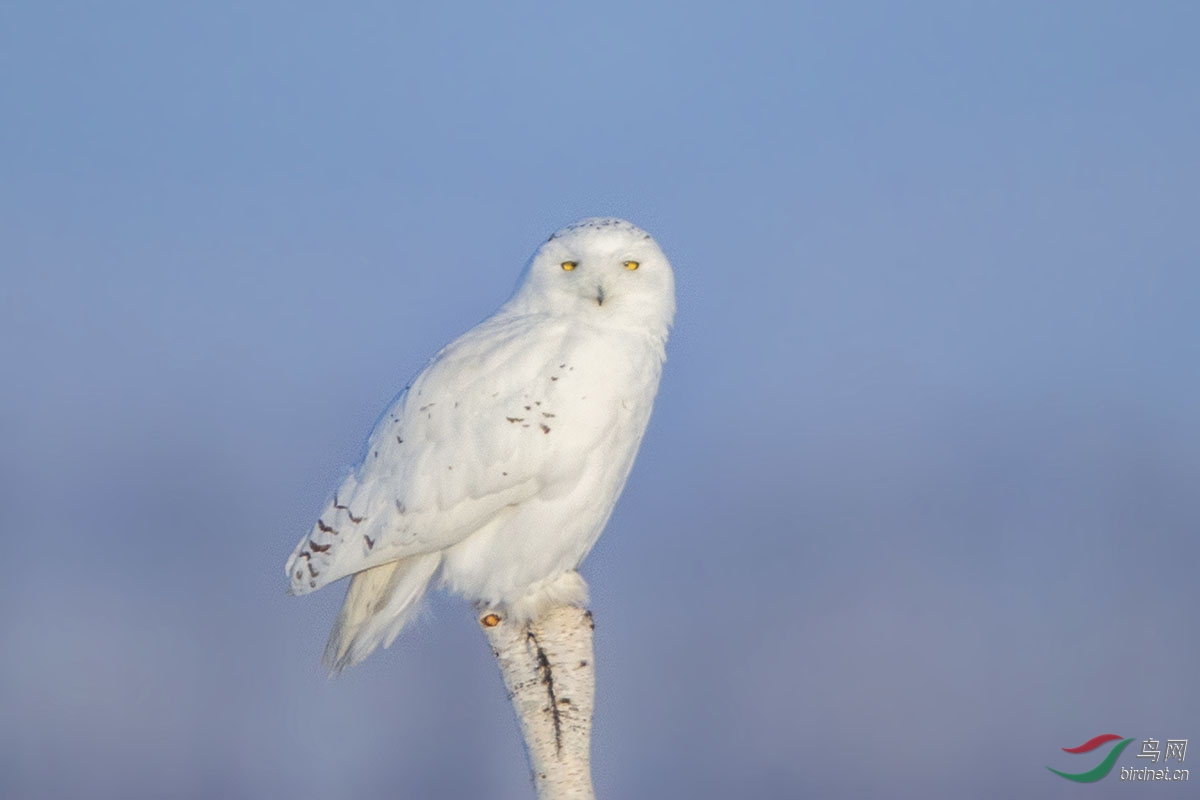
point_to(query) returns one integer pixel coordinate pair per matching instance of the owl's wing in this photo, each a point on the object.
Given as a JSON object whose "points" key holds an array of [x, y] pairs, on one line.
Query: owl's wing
{"points": [[477, 433]]}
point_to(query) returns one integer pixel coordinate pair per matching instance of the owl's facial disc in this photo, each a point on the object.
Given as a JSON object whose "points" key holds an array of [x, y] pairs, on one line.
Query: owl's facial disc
{"points": [[602, 269]]}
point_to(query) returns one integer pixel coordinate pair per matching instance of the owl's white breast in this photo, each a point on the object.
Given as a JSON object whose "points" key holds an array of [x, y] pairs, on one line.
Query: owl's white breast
{"points": [[587, 401]]}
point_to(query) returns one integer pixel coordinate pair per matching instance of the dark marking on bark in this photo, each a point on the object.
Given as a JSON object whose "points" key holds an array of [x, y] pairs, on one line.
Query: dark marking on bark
{"points": [[546, 675]]}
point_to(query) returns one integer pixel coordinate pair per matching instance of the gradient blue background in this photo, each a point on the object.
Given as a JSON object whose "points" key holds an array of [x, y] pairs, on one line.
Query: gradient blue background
{"points": [[919, 502]]}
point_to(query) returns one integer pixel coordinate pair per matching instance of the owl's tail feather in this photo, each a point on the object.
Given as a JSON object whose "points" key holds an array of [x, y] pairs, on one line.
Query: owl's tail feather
{"points": [[378, 604]]}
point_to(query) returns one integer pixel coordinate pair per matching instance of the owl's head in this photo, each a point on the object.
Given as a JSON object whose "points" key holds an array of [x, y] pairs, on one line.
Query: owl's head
{"points": [[604, 270]]}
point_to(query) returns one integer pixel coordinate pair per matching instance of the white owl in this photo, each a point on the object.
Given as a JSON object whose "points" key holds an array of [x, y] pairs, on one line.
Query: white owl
{"points": [[498, 466]]}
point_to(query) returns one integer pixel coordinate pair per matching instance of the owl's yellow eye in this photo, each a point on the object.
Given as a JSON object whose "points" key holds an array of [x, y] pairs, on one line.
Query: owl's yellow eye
{"points": [[632, 265], [569, 265]]}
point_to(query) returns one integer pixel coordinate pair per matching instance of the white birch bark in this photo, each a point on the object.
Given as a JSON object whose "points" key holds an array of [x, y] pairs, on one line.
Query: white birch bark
{"points": [[549, 673]]}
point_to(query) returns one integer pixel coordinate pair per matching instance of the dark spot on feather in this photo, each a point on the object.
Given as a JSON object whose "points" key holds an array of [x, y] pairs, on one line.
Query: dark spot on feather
{"points": [[349, 514], [553, 377], [323, 528], [370, 542], [319, 548], [515, 419], [503, 473], [547, 414], [400, 507], [399, 440], [545, 428], [312, 570], [527, 408]]}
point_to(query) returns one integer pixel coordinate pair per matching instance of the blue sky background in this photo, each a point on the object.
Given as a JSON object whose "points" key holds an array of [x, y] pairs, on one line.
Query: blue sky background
{"points": [[919, 503]]}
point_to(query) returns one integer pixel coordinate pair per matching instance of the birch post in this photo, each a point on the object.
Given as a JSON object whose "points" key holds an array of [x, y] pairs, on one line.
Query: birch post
{"points": [[549, 673]]}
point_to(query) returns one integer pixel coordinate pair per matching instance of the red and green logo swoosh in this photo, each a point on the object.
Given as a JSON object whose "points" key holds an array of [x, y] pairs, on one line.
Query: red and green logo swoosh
{"points": [[1101, 769]]}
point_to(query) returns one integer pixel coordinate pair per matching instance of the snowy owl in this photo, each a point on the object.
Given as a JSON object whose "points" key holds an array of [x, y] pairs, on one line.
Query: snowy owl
{"points": [[497, 467]]}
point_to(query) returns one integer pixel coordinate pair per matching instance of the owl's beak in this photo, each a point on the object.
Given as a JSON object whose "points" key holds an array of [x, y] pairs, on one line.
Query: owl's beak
{"points": [[599, 295]]}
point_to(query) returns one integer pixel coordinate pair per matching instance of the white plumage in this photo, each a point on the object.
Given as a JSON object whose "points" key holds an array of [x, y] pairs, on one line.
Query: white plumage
{"points": [[499, 465]]}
